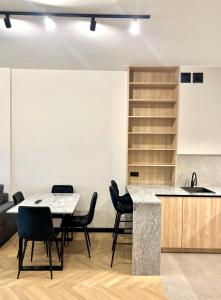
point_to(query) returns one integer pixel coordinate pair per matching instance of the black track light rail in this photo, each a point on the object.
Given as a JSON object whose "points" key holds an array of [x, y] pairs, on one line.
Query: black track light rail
{"points": [[73, 15]]}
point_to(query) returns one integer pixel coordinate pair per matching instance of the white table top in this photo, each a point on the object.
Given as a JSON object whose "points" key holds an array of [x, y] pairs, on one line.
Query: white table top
{"points": [[58, 203]]}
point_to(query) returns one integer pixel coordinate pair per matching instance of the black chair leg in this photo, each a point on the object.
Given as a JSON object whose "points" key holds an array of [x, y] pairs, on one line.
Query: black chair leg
{"points": [[58, 252], [21, 255], [115, 239], [18, 251], [114, 234], [66, 238], [46, 247], [50, 261], [32, 249], [87, 243], [88, 237], [115, 222]]}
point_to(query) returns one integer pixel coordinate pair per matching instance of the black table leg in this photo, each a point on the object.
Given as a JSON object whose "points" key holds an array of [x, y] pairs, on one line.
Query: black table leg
{"points": [[62, 249]]}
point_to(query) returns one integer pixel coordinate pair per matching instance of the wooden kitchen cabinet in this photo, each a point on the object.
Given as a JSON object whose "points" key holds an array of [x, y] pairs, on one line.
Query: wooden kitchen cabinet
{"points": [[201, 223], [171, 222]]}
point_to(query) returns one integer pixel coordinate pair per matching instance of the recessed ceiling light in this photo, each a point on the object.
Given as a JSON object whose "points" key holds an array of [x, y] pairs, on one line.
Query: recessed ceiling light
{"points": [[134, 27], [50, 25]]}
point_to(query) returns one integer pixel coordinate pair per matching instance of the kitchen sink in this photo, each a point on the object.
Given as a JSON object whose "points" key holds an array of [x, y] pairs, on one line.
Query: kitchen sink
{"points": [[196, 189]]}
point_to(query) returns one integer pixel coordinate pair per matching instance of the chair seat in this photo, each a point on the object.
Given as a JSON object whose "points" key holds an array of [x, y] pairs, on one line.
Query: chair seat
{"points": [[125, 208], [74, 221]]}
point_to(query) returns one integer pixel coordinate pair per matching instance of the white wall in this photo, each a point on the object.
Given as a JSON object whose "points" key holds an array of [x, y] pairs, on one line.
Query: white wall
{"points": [[5, 128], [69, 127], [200, 114]]}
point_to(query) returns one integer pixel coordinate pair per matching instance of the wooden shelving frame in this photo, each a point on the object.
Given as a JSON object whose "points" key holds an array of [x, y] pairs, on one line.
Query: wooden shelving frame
{"points": [[152, 125]]}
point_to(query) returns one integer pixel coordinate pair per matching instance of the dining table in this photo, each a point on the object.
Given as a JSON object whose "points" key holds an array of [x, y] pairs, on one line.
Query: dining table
{"points": [[60, 204]]}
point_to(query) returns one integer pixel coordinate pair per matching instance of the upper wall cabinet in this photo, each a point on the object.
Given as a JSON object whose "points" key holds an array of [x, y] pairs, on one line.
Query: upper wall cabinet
{"points": [[152, 125]]}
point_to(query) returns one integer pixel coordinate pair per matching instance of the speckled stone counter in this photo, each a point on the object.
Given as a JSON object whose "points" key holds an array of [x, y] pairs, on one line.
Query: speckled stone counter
{"points": [[58, 203], [147, 223], [146, 239]]}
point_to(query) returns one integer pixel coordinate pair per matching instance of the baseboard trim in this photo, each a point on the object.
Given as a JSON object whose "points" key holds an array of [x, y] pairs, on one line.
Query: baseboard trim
{"points": [[102, 229], [190, 250]]}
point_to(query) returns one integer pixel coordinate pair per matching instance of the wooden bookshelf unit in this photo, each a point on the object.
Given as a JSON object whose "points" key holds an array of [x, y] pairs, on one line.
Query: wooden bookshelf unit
{"points": [[152, 125]]}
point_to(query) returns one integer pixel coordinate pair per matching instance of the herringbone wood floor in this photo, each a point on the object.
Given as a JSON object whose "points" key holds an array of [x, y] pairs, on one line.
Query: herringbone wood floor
{"points": [[82, 278]]}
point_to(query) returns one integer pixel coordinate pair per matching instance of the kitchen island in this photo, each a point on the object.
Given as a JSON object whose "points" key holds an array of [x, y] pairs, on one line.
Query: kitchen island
{"points": [[147, 216]]}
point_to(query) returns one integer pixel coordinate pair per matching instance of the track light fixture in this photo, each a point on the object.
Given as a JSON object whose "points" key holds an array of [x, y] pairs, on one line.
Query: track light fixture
{"points": [[50, 24], [7, 21], [93, 24]]}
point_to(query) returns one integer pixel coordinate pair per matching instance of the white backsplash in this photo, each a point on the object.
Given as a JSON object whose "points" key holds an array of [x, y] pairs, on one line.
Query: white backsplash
{"points": [[207, 168]]}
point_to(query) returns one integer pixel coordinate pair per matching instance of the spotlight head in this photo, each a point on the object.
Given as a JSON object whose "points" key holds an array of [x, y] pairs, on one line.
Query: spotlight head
{"points": [[7, 21], [50, 25], [93, 24], [134, 27]]}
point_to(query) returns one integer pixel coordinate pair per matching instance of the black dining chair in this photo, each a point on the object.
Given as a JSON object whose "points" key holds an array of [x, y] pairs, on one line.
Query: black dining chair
{"points": [[126, 198], [70, 223], [18, 197], [30, 229], [62, 189], [121, 208]]}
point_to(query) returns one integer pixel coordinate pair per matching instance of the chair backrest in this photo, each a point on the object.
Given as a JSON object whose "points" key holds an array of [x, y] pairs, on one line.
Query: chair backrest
{"points": [[114, 196], [62, 189], [90, 214], [35, 223], [18, 197], [1, 188], [115, 186]]}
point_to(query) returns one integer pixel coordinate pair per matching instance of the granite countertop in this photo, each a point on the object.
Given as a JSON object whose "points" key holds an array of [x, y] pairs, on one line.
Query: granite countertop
{"points": [[149, 194]]}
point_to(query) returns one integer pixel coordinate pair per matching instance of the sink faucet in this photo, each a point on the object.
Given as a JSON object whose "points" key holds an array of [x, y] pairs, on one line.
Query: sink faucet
{"points": [[194, 180]]}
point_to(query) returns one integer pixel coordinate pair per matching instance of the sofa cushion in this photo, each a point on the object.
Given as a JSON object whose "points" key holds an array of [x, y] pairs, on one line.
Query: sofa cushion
{"points": [[6, 206], [3, 198], [1, 188], [8, 222]]}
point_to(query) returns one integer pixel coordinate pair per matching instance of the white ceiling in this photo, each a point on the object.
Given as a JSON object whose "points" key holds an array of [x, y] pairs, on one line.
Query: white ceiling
{"points": [[179, 33]]}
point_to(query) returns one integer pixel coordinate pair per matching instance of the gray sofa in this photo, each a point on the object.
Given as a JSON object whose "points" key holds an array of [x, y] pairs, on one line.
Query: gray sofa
{"points": [[8, 222]]}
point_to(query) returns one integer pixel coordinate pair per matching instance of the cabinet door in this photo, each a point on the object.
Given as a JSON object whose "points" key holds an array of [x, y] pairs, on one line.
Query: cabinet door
{"points": [[201, 223], [171, 222]]}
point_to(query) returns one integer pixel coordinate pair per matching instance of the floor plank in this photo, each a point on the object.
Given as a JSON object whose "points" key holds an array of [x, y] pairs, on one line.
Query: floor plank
{"points": [[82, 278]]}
